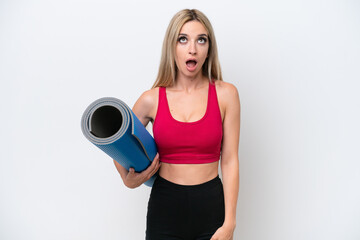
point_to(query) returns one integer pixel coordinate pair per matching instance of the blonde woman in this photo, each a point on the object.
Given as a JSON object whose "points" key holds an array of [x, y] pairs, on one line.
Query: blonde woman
{"points": [[196, 122]]}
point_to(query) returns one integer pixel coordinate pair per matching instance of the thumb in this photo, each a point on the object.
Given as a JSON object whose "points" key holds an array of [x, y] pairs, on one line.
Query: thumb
{"points": [[131, 170]]}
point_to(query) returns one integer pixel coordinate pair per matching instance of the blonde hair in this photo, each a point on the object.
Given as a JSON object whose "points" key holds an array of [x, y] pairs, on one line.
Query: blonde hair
{"points": [[167, 69]]}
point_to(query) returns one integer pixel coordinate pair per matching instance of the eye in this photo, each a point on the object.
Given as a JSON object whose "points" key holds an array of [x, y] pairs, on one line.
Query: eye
{"points": [[182, 39], [202, 40]]}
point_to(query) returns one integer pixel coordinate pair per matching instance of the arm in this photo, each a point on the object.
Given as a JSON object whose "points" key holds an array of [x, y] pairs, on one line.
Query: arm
{"points": [[229, 154], [143, 109], [133, 179], [229, 158]]}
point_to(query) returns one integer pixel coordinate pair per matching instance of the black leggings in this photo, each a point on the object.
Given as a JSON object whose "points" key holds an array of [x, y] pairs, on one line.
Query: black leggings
{"points": [[182, 212]]}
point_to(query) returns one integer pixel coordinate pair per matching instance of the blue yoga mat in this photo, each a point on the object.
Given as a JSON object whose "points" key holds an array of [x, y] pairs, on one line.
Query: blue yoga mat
{"points": [[112, 126]]}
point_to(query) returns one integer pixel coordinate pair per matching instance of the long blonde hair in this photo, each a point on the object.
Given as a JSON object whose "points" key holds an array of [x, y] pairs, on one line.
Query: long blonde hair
{"points": [[168, 69]]}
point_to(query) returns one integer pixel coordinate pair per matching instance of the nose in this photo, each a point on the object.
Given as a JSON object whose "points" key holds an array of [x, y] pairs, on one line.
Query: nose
{"points": [[192, 48]]}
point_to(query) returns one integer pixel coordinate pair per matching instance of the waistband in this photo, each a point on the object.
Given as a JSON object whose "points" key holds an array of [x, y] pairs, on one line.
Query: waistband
{"points": [[210, 183]]}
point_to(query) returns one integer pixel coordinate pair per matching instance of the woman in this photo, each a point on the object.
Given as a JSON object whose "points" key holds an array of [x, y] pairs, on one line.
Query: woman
{"points": [[196, 119]]}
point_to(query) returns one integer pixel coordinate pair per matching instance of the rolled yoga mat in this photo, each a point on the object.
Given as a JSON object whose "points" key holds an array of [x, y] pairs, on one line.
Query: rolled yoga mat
{"points": [[112, 126]]}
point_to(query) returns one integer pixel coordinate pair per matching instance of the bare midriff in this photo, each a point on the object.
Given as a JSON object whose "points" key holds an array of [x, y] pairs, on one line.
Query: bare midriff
{"points": [[189, 174]]}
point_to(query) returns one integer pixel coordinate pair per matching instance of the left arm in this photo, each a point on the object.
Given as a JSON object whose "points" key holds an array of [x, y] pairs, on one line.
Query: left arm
{"points": [[230, 160]]}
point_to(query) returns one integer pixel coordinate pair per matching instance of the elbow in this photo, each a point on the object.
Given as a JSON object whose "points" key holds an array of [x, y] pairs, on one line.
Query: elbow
{"points": [[232, 159]]}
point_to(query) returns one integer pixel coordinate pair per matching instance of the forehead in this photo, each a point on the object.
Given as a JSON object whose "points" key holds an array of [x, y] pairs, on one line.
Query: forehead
{"points": [[193, 27]]}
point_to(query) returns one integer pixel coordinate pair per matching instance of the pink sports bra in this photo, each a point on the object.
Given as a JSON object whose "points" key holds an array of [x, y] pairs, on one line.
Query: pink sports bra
{"points": [[188, 142]]}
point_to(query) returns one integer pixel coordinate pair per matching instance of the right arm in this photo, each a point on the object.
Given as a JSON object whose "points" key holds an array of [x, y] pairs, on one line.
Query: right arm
{"points": [[144, 109]]}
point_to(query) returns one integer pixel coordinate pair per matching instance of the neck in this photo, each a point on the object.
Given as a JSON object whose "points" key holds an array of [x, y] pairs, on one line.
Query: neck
{"points": [[190, 83]]}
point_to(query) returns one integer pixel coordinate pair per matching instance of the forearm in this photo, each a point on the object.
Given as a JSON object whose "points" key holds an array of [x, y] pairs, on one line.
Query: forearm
{"points": [[122, 171], [230, 176]]}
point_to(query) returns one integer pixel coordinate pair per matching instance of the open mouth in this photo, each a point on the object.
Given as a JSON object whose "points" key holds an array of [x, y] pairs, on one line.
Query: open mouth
{"points": [[191, 64]]}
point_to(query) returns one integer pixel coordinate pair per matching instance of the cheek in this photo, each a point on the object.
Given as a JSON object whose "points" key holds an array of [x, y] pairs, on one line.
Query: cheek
{"points": [[177, 62], [204, 53], [179, 55], [205, 50]]}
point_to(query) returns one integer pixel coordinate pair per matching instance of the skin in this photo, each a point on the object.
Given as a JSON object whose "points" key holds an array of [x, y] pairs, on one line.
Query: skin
{"points": [[190, 90]]}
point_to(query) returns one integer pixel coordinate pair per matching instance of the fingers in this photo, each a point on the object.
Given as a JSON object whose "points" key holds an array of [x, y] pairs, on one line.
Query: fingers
{"points": [[146, 174], [154, 163], [153, 168], [156, 157], [156, 168]]}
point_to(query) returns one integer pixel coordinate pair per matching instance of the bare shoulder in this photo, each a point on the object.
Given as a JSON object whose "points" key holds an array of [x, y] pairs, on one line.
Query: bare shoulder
{"points": [[227, 92], [146, 105], [149, 97]]}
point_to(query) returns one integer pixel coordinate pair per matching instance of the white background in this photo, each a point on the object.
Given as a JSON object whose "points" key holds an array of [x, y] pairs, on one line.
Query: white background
{"points": [[295, 64]]}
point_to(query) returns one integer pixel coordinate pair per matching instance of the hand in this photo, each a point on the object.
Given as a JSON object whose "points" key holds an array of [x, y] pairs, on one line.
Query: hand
{"points": [[224, 233], [134, 179]]}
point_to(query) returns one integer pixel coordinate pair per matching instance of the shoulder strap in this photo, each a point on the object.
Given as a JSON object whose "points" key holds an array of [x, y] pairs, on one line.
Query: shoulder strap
{"points": [[161, 95], [161, 101], [215, 108]]}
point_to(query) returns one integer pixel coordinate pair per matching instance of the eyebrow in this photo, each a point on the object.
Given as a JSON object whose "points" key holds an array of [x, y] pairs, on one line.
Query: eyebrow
{"points": [[200, 35]]}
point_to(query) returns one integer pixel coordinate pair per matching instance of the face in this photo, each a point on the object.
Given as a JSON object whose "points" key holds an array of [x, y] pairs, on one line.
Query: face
{"points": [[191, 49]]}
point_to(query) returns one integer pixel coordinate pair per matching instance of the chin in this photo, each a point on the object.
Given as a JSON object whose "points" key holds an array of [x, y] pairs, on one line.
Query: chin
{"points": [[193, 74]]}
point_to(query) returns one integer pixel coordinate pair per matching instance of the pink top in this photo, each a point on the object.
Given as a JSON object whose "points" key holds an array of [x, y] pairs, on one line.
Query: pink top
{"points": [[188, 142]]}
